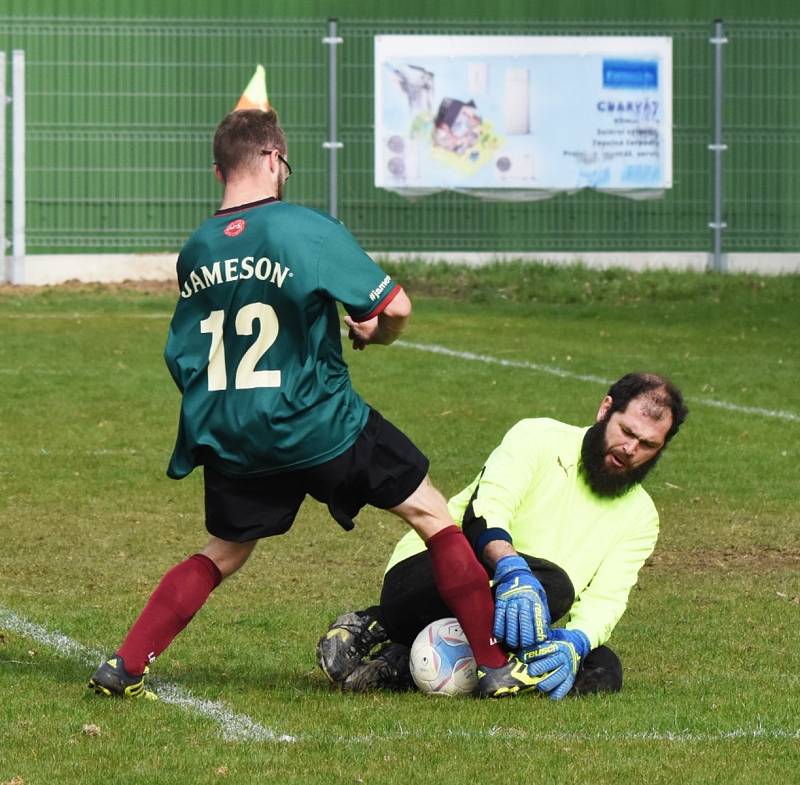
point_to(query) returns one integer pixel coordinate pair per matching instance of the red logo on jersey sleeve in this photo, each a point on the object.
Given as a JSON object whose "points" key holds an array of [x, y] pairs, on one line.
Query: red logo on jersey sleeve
{"points": [[235, 227]]}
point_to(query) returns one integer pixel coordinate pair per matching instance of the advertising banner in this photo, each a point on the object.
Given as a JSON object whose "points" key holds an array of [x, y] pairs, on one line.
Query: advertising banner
{"points": [[523, 113]]}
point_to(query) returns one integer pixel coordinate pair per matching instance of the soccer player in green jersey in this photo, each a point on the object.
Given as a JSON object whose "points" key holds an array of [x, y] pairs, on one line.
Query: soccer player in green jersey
{"points": [[564, 510], [268, 409]]}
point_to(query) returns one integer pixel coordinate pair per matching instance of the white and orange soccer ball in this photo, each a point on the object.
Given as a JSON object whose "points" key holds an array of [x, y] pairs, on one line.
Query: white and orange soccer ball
{"points": [[441, 660]]}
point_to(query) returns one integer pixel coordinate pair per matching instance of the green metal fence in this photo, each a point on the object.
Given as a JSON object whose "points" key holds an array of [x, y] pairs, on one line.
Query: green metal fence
{"points": [[762, 131], [120, 115]]}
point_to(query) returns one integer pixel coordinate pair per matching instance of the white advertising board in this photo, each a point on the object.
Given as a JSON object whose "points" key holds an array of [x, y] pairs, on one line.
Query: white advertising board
{"points": [[546, 113]]}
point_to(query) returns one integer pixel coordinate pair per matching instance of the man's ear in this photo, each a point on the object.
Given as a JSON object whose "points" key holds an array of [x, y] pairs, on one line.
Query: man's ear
{"points": [[218, 174], [605, 405]]}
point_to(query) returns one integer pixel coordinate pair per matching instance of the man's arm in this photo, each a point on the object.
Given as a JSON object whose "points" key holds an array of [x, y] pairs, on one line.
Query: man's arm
{"points": [[377, 307], [385, 328], [602, 603], [594, 615]]}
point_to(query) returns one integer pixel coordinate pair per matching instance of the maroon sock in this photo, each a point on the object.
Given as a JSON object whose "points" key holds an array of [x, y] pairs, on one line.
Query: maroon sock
{"points": [[464, 586], [181, 593]]}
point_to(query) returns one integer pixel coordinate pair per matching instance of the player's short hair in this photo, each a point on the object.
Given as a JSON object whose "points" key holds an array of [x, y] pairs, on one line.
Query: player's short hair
{"points": [[660, 393], [244, 137]]}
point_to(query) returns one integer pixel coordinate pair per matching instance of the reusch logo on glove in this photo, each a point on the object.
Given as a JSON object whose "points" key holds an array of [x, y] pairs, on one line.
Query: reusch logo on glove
{"points": [[235, 227], [540, 622]]}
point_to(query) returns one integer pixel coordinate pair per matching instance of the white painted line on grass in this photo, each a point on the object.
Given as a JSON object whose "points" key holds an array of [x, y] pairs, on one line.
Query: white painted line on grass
{"points": [[735, 407], [234, 726], [685, 735], [61, 644], [490, 360], [552, 370], [523, 734]]}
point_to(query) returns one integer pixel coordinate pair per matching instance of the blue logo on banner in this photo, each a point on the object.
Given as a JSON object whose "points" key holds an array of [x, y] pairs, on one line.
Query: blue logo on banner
{"points": [[632, 74]]}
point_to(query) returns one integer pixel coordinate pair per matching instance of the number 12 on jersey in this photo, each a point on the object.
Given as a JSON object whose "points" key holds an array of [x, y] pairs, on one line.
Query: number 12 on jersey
{"points": [[247, 377]]}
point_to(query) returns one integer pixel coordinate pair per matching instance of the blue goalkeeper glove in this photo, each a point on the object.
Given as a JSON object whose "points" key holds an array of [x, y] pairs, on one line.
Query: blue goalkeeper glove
{"points": [[562, 654], [521, 615]]}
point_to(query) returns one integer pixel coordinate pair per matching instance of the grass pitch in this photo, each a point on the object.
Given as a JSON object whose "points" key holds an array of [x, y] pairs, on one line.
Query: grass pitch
{"points": [[90, 522]]}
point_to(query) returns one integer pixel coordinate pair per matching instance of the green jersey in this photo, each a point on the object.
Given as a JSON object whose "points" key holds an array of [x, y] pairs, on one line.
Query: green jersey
{"points": [[254, 344], [531, 488]]}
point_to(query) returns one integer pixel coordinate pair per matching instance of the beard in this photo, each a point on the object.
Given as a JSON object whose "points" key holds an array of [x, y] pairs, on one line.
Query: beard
{"points": [[594, 470]]}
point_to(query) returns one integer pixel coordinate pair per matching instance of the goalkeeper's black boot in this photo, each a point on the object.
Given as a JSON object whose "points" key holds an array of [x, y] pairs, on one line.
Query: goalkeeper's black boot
{"points": [[112, 680], [387, 669], [507, 680], [348, 640]]}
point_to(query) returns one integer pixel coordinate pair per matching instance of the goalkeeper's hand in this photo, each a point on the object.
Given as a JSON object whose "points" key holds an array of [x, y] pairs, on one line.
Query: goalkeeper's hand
{"points": [[562, 654], [521, 615]]}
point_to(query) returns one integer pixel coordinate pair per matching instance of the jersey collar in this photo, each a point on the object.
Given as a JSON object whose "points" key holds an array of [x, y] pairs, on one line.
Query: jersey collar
{"points": [[249, 206]]}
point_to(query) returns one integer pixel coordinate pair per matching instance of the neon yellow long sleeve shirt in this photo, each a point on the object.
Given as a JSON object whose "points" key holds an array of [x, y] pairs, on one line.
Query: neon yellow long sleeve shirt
{"points": [[531, 487]]}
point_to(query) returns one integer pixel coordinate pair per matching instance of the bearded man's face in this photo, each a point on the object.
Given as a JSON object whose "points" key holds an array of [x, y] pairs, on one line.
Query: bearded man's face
{"points": [[620, 449]]}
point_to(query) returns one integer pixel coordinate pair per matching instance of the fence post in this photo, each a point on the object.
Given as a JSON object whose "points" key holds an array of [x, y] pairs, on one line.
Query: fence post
{"points": [[332, 145], [718, 148], [18, 164], [4, 99]]}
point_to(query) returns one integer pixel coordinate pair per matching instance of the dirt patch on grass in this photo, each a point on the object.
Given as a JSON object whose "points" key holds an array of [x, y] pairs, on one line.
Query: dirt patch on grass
{"points": [[757, 560]]}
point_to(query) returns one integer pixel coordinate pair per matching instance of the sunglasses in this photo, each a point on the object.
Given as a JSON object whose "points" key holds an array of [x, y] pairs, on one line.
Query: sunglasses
{"points": [[281, 159]]}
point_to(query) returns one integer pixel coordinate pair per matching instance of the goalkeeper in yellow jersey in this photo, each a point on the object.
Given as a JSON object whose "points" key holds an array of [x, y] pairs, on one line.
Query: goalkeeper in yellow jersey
{"points": [[560, 520]]}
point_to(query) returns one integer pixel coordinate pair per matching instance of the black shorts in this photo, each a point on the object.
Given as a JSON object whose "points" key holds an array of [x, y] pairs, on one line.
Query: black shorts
{"points": [[383, 468]]}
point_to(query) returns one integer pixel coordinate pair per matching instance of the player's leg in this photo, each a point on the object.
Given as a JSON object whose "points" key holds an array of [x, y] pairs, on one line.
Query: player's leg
{"points": [[461, 581], [409, 602], [180, 594], [473, 605], [386, 669], [178, 597], [347, 641], [238, 513], [228, 556]]}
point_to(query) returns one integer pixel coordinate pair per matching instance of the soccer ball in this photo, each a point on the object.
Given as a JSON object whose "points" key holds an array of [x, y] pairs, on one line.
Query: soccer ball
{"points": [[441, 660]]}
